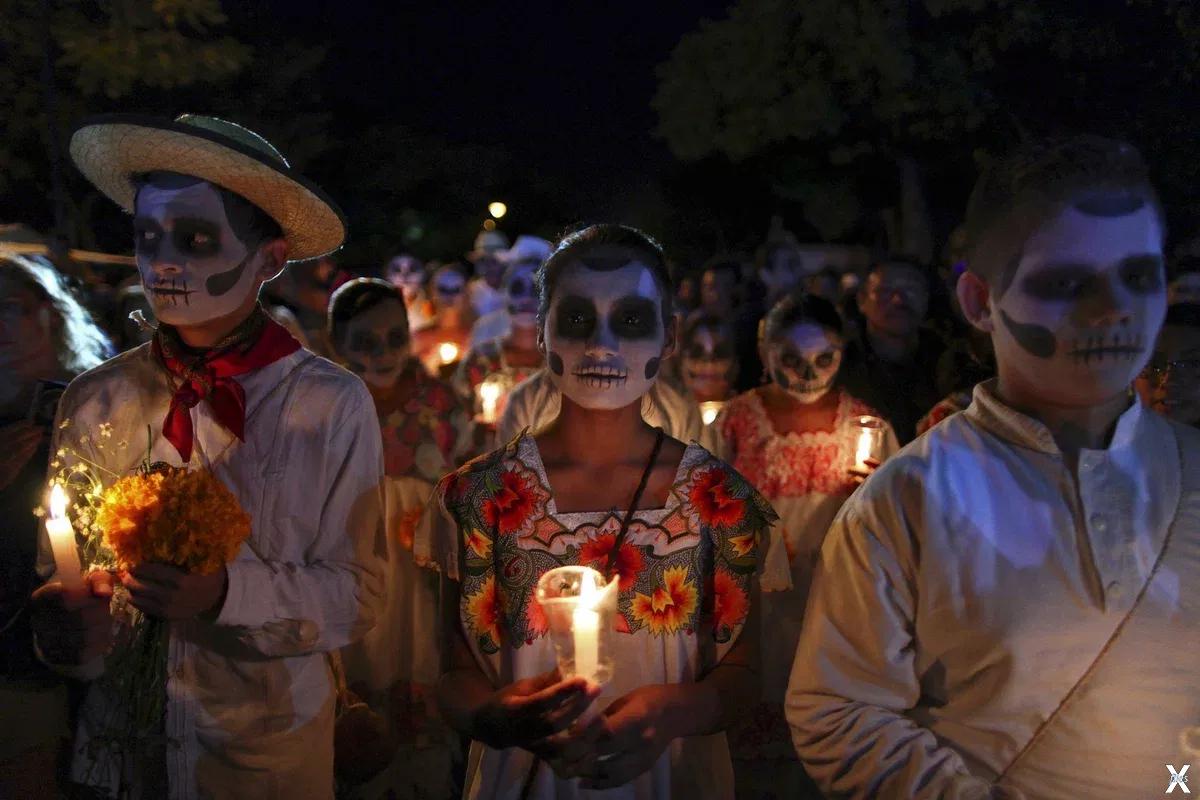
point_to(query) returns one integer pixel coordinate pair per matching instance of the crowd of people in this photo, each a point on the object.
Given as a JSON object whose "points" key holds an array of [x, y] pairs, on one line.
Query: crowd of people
{"points": [[983, 603]]}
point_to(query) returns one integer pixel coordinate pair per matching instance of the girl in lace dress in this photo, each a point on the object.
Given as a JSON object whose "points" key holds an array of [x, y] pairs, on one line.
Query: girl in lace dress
{"points": [[794, 438]]}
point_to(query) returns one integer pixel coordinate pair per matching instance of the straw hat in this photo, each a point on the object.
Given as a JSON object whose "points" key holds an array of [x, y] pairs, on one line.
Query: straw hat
{"points": [[487, 243], [109, 150]]}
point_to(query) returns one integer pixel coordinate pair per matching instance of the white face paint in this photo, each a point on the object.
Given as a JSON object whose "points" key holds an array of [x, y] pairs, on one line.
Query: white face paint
{"points": [[522, 301], [193, 267], [604, 333], [376, 344], [708, 365], [407, 274], [805, 360], [448, 288], [1078, 319]]}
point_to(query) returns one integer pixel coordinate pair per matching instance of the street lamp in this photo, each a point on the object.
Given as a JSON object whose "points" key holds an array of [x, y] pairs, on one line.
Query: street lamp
{"points": [[497, 209]]}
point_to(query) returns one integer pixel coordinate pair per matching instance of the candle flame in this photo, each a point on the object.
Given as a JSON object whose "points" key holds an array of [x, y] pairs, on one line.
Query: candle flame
{"points": [[58, 502], [864, 447], [489, 392], [448, 352], [587, 589], [710, 410]]}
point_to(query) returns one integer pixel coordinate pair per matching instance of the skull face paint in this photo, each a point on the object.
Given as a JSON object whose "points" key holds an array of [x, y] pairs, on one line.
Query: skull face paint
{"points": [[604, 334], [407, 274], [376, 344], [193, 267], [522, 299], [805, 360], [448, 288], [1078, 318], [708, 363]]}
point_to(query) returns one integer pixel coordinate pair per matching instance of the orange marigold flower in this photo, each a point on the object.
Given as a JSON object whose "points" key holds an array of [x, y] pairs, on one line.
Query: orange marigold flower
{"points": [[672, 604], [187, 519]]}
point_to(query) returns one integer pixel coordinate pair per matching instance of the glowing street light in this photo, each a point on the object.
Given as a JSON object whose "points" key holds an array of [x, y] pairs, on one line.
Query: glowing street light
{"points": [[497, 209]]}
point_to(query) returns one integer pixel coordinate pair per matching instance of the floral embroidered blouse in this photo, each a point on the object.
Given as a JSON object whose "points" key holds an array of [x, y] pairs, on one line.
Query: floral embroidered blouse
{"points": [[686, 571], [484, 360], [806, 477]]}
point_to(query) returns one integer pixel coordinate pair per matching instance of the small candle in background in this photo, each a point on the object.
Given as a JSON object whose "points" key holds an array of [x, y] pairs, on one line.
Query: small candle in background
{"points": [[867, 447], [489, 400], [448, 352], [710, 410], [585, 625], [62, 541]]}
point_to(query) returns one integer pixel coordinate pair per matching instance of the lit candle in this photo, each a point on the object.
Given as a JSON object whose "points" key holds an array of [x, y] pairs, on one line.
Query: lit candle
{"points": [[865, 452], [585, 627], [448, 352], [489, 398], [710, 410], [62, 541]]}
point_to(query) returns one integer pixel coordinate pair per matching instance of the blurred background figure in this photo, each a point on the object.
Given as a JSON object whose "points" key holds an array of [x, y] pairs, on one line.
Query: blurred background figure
{"points": [[893, 364], [46, 338], [782, 269], [517, 265], [394, 667], [441, 345], [1170, 384], [407, 274], [298, 296], [707, 361], [484, 292], [795, 439]]}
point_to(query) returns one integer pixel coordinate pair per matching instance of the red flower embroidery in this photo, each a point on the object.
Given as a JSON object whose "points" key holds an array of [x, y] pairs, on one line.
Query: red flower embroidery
{"points": [[514, 503], [729, 602], [535, 618], [670, 606], [711, 499], [483, 612], [629, 560]]}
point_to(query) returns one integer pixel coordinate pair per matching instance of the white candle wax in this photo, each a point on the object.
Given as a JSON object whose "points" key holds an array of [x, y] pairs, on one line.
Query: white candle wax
{"points": [[489, 397], [863, 451], [62, 541], [585, 625]]}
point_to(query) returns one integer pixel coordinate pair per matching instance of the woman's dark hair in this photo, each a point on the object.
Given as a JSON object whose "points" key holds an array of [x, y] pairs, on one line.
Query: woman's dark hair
{"points": [[799, 307], [357, 297], [700, 322], [251, 225], [578, 243]]}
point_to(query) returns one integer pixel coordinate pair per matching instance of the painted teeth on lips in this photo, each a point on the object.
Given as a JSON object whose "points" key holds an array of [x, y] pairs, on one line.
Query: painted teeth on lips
{"points": [[601, 371]]}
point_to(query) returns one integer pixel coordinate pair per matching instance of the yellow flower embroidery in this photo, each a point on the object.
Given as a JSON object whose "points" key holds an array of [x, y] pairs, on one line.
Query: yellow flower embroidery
{"points": [[671, 606]]}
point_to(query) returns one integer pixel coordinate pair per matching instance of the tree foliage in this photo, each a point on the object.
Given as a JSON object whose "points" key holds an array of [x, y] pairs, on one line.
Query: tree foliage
{"points": [[815, 93]]}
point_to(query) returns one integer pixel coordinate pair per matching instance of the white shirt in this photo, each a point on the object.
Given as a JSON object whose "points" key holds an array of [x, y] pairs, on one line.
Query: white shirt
{"points": [[493, 325], [535, 402], [966, 588], [250, 696]]}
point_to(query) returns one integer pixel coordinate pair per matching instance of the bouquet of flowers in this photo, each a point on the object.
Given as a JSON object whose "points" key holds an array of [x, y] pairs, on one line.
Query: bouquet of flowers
{"points": [[162, 514]]}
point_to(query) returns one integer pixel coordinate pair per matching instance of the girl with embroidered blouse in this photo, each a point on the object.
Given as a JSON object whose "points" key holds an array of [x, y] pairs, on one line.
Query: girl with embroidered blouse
{"points": [[394, 668], [794, 438], [684, 532]]}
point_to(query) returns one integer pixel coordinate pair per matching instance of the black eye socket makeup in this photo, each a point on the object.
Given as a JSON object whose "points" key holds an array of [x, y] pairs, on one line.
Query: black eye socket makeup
{"points": [[365, 342], [575, 318], [634, 318], [1143, 274], [397, 338], [520, 287], [196, 237]]}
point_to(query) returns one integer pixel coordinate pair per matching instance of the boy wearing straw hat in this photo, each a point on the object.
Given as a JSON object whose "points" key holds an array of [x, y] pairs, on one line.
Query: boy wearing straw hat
{"points": [[250, 692]]}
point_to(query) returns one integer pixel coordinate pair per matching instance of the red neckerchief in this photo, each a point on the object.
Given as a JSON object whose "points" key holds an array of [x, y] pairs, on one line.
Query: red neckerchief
{"points": [[211, 375]]}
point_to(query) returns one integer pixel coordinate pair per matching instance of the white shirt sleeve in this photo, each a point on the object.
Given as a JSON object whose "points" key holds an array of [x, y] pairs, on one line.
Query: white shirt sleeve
{"points": [[331, 598], [854, 675]]}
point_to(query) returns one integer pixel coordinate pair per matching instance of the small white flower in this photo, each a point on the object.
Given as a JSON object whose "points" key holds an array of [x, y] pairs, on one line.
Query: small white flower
{"points": [[39, 512], [106, 429], [62, 426]]}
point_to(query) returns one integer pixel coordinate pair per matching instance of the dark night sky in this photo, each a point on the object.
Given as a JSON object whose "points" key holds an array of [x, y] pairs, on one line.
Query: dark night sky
{"points": [[562, 88]]}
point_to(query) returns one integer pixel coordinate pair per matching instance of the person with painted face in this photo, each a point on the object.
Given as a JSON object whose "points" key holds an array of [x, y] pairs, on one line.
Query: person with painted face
{"points": [[46, 338], [514, 355], [485, 291], [893, 364], [707, 362], [794, 438], [518, 264], [394, 668], [678, 529], [407, 274], [1170, 383], [249, 704], [451, 325], [999, 610]]}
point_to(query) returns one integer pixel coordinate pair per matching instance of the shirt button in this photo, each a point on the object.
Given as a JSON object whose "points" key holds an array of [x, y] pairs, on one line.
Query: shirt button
{"points": [[1099, 523], [1115, 590]]}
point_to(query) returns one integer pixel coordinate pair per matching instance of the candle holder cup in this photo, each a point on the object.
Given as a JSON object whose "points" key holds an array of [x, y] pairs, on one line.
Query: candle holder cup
{"points": [[579, 606]]}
